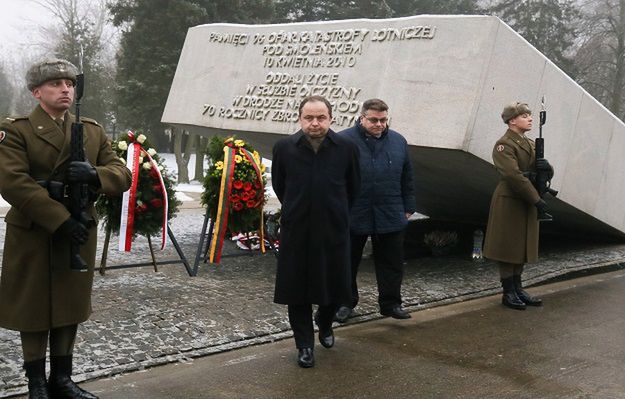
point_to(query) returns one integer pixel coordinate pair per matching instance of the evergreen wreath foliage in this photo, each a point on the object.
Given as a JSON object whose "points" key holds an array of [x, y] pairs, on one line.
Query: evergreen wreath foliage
{"points": [[248, 194], [149, 200]]}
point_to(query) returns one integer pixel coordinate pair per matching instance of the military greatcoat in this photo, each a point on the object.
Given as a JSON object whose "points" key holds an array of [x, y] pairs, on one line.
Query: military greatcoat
{"points": [[316, 191], [38, 291], [512, 232]]}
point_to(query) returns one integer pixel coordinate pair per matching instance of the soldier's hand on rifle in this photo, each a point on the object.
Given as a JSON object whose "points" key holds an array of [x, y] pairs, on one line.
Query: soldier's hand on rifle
{"points": [[82, 172], [542, 165], [541, 207], [76, 231]]}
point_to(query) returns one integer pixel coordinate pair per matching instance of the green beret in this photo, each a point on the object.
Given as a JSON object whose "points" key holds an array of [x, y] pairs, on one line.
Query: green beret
{"points": [[513, 110], [50, 69]]}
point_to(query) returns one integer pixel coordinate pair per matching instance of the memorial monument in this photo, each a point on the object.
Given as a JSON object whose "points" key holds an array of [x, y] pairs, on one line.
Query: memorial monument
{"points": [[445, 78]]}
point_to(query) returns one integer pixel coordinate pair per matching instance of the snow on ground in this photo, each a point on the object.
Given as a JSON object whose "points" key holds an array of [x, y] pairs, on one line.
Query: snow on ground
{"points": [[194, 187]]}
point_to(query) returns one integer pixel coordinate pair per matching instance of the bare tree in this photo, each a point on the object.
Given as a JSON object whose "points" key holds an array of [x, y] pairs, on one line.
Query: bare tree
{"points": [[200, 148], [82, 34], [183, 144], [600, 60], [7, 89], [549, 25], [22, 101]]}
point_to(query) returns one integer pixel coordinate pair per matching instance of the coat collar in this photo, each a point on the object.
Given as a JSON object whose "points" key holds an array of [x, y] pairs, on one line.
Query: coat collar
{"points": [[522, 141], [46, 128], [363, 132], [298, 137]]}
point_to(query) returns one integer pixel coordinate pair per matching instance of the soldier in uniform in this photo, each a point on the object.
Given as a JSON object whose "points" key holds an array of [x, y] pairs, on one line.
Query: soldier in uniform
{"points": [[39, 295], [512, 232]]}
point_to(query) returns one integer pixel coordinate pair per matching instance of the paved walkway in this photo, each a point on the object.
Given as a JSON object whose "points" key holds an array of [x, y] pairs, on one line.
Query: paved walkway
{"points": [[571, 348], [142, 318]]}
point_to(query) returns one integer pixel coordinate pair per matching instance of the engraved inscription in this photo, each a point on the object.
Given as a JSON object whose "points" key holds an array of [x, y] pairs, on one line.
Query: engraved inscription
{"points": [[320, 55]]}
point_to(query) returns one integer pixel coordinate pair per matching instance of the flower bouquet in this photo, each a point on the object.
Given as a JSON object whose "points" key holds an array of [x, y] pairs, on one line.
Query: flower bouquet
{"points": [[234, 190], [151, 200]]}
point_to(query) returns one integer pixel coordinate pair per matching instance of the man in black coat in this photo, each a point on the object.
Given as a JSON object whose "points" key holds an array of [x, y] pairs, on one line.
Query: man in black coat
{"points": [[316, 176]]}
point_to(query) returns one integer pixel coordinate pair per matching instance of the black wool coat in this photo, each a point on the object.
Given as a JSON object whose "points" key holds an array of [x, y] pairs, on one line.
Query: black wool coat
{"points": [[316, 191]]}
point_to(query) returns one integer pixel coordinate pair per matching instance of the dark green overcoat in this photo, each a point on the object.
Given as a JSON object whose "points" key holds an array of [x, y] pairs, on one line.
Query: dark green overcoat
{"points": [[38, 291], [512, 232]]}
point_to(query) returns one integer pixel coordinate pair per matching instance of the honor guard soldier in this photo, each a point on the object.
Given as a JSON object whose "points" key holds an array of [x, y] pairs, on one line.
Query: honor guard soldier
{"points": [[40, 296], [512, 232]]}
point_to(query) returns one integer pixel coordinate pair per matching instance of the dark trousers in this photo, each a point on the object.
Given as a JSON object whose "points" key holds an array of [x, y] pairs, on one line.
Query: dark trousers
{"points": [[301, 320], [388, 257], [34, 344]]}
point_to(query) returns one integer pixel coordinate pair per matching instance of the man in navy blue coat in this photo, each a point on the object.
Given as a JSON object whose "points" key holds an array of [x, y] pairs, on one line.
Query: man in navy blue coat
{"points": [[315, 175], [382, 208]]}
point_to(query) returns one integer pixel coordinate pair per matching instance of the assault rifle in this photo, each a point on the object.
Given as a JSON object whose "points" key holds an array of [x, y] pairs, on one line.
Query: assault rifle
{"points": [[542, 177], [78, 193]]}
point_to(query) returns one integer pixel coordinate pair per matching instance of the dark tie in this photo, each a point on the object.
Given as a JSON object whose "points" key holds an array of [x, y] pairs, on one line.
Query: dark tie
{"points": [[59, 123]]}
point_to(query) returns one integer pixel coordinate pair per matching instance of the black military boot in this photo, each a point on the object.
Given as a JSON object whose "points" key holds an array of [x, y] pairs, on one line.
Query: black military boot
{"points": [[36, 373], [510, 297], [60, 383], [523, 295]]}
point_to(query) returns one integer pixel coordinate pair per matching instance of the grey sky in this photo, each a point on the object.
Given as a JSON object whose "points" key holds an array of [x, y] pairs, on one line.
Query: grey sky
{"points": [[21, 23]]}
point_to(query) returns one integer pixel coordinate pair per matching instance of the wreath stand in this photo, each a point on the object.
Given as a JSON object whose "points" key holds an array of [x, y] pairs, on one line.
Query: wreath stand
{"points": [[202, 250], [154, 262]]}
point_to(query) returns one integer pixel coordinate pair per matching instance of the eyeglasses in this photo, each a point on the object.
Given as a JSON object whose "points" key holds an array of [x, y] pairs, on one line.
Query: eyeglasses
{"points": [[376, 120]]}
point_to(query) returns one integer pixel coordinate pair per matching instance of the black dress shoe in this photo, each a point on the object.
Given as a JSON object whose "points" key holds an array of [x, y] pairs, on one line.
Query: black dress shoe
{"points": [[343, 314], [305, 357], [523, 295], [326, 338], [529, 300], [396, 312], [510, 298], [512, 301]]}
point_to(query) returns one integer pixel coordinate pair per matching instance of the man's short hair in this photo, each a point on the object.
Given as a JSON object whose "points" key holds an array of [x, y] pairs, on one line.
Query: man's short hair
{"points": [[513, 110], [315, 99], [50, 69], [374, 104]]}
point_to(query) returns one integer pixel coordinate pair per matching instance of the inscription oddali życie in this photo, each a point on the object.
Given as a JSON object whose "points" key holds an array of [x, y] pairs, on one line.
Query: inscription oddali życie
{"points": [[277, 98]]}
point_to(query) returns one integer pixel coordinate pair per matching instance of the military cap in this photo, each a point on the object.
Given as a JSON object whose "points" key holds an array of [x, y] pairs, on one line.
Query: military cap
{"points": [[513, 110], [49, 69]]}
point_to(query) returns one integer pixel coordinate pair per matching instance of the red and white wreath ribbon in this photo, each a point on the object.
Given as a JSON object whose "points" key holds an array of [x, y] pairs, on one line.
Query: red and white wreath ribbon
{"points": [[165, 203], [129, 199]]}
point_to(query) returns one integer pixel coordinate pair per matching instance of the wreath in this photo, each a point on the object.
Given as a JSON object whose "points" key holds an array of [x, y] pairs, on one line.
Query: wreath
{"points": [[234, 190], [149, 199]]}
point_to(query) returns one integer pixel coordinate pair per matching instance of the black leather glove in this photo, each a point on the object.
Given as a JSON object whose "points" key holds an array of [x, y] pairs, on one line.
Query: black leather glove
{"points": [[541, 207], [76, 231], [82, 172], [543, 165]]}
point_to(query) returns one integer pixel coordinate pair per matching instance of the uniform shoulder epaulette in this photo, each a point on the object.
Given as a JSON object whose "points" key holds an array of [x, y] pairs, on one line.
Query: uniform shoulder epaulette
{"points": [[12, 119], [89, 120]]}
